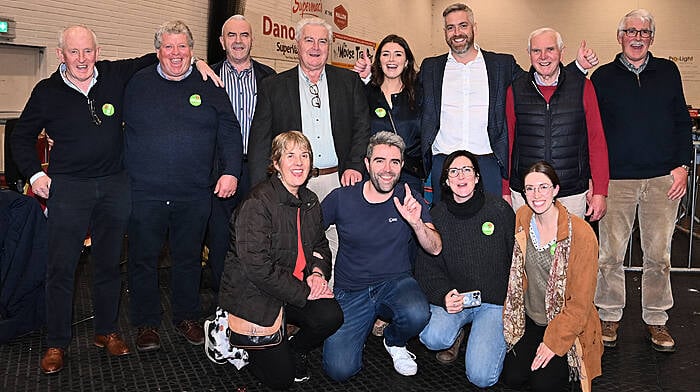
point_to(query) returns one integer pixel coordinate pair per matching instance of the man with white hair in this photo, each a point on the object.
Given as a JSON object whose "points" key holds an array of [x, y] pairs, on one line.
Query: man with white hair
{"points": [[326, 103], [647, 127], [552, 115]]}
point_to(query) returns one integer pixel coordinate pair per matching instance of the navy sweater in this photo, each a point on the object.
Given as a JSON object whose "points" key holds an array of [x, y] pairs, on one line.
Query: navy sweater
{"points": [[82, 149], [172, 130], [646, 122]]}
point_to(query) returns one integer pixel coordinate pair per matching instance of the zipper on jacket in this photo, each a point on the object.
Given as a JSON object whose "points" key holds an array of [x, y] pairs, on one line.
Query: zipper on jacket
{"points": [[547, 125]]}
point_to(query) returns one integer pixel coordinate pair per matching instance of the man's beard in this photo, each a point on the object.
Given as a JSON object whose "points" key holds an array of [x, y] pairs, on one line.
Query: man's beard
{"points": [[467, 44], [377, 184]]}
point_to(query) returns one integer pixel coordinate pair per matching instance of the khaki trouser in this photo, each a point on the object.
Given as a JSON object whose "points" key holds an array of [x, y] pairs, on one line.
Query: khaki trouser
{"points": [[657, 216]]}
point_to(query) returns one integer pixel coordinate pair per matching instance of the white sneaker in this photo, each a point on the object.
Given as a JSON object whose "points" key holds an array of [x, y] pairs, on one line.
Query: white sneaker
{"points": [[404, 360]]}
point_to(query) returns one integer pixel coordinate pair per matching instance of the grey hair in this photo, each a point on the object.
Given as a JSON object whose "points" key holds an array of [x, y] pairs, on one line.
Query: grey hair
{"points": [[172, 27], [459, 7], [542, 30], [641, 14], [234, 17], [62, 34], [385, 138], [303, 22]]}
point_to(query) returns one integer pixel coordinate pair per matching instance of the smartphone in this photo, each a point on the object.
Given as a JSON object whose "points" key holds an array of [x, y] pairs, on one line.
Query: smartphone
{"points": [[471, 299]]}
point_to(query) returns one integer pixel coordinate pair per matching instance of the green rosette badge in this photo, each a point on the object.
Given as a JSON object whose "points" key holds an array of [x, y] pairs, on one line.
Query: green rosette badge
{"points": [[108, 109], [195, 100]]}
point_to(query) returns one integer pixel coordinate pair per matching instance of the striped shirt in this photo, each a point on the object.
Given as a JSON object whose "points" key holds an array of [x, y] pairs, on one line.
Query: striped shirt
{"points": [[242, 91]]}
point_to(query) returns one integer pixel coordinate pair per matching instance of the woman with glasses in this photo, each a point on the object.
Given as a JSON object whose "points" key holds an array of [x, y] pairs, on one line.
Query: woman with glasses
{"points": [[549, 321], [477, 233]]}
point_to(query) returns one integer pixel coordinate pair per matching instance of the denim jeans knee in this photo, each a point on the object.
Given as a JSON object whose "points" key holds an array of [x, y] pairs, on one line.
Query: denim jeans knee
{"points": [[486, 347], [443, 327]]}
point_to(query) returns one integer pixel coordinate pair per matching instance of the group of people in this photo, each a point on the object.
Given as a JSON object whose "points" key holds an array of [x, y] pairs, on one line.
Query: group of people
{"points": [[307, 186]]}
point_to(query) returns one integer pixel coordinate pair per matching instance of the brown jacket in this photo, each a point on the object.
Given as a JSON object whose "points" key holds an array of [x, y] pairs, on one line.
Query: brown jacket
{"points": [[578, 320]]}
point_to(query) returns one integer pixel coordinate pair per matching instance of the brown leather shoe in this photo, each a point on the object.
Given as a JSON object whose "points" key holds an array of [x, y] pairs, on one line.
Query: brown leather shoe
{"points": [[192, 331], [379, 327], [609, 332], [661, 339], [52, 361], [148, 339], [113, 343], [450, 355]]}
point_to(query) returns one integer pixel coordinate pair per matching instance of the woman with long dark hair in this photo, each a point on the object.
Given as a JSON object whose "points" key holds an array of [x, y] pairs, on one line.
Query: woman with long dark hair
{"points": [[394, 103]]}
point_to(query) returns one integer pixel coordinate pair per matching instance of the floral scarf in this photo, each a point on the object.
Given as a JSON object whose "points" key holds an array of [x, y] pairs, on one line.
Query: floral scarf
{"points": [[514, 307]]}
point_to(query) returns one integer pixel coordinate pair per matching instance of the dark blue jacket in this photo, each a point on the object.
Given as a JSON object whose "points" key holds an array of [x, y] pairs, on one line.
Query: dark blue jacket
{"points": [[502, 70], [23, 258]]}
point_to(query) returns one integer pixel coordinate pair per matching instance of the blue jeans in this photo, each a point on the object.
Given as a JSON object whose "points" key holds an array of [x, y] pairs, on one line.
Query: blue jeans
{"points": [[486, 346], [400, 300]]}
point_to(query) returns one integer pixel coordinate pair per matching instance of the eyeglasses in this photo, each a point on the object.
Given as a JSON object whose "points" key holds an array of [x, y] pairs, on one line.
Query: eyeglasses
{"points": [[542, 188], [631, 33], [468, 171], [95, 119], [315, 100]]}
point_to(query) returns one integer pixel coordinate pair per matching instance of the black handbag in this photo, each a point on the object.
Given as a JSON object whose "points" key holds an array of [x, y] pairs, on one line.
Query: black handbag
{"points": [[250, 336]]}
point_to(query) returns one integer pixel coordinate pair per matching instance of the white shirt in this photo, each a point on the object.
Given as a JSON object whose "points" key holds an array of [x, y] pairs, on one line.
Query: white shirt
{"points": [[464, 113]]}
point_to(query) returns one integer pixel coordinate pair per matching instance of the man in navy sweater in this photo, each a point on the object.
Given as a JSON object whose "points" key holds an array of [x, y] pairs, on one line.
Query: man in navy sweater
{"points": [[175, 125], [647, 127], [80, 106]]}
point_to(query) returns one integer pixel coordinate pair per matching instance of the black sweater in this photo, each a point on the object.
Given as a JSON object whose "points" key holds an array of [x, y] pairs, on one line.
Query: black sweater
{"points": [[172, 130], [646, 122], [470, 259], [82, 149]]}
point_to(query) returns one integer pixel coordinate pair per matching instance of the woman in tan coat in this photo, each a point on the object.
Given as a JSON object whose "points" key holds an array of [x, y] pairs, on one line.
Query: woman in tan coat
{"points": [[550, 323]]}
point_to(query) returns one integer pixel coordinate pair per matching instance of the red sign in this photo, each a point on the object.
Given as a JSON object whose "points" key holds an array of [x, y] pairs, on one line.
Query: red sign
{"points": [[340, 17]]}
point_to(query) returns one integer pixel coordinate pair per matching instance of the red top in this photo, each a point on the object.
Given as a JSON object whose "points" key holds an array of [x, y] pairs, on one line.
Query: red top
{"points": [[301, 260]]}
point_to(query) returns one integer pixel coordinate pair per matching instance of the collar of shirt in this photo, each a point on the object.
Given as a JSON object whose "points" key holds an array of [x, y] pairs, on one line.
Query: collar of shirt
{"points": [[631, 67], [479, 56], [62, 70], [541, 82], [160, 72], [230, 68]]}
